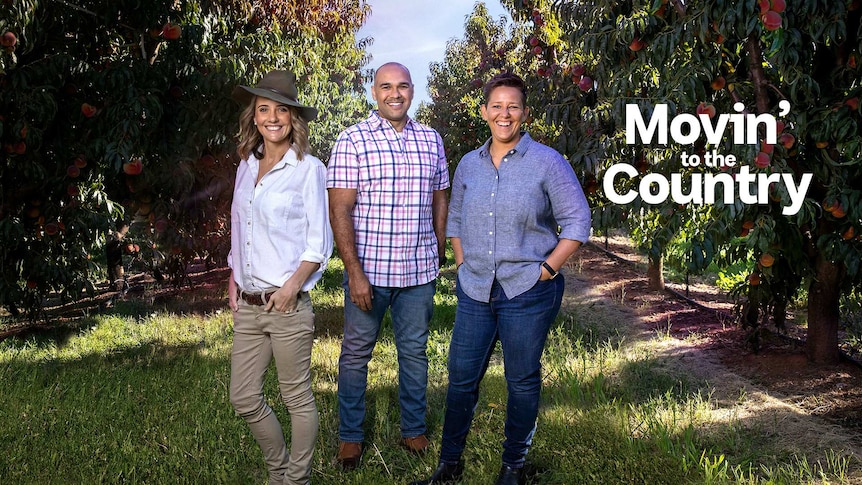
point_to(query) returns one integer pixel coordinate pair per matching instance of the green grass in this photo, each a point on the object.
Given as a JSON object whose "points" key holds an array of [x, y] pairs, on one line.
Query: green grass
{"points": [[140, 395]]}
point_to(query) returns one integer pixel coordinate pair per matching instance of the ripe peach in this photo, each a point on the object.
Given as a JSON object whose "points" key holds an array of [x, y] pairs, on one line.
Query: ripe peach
{"points": [[839, 211], [88, 110], [853, 103], [73, 171], [761, 160], [771, 20], [8, 40], [586, 83], [787, 140], [763, 5], [537, 50], [754, 279], [849, 233], [778, 6], [171, 31], [52, 228], [80, 161], [767, 260], [133, 167], [718, 83], [578, 70], [706, 108], [637, 44]]}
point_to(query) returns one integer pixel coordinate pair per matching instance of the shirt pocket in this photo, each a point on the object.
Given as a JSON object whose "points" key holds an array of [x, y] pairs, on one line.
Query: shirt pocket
{"points": [[276, 211]]}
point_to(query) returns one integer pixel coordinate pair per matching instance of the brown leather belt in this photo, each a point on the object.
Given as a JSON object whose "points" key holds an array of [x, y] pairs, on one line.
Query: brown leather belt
{"points": [[254, 299]]}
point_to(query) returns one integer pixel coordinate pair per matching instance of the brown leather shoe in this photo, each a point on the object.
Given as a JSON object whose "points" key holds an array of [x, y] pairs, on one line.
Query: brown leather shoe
{"points": [[349, 454], [416, 444]]}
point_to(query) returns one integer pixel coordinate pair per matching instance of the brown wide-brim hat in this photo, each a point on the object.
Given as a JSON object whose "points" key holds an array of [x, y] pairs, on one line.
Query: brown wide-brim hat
{"points": [[278, 86]]}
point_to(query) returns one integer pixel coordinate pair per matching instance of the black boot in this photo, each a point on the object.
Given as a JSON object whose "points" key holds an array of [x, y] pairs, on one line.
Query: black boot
{"points": [[510, 476], [444, 474]]}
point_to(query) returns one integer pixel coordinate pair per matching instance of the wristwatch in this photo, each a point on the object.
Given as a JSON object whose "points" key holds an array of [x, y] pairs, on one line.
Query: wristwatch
{"points": [[551, 270]]}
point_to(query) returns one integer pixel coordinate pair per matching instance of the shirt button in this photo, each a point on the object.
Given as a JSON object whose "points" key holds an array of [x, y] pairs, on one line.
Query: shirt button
{"points": [[492, 194], [490, 213], [505, 159], [491, 233], [490, 252]]}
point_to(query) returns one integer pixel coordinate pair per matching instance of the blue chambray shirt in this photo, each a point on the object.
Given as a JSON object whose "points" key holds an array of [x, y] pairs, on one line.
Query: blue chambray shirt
{"points": [[509, 220]]}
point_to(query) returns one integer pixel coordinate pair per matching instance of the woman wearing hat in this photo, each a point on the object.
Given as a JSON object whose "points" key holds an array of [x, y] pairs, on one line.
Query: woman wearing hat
{"points": [[280, 243]]}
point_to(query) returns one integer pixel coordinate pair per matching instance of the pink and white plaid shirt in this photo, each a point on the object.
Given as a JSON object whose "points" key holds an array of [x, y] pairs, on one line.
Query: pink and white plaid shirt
{"points": [[395, 176]]}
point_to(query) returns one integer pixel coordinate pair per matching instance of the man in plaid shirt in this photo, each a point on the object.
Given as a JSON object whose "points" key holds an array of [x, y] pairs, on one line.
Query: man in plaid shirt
{"points": [[387, 182]]}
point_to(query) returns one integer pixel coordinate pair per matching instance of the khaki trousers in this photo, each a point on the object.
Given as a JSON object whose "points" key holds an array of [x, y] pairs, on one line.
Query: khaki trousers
{"points": [[258, 337]]}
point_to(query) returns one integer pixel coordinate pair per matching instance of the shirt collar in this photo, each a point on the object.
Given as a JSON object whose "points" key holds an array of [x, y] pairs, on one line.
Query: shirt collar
{"points": [[520, 148], [380, 123], [289, 158]]}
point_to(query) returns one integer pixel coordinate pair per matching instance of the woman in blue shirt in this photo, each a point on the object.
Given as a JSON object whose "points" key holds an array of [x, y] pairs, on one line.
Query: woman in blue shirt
{"points": [[516, 214]]}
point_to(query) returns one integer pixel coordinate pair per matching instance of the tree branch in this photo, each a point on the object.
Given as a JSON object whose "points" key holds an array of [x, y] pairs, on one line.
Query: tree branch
{"points": [[758, 78]]}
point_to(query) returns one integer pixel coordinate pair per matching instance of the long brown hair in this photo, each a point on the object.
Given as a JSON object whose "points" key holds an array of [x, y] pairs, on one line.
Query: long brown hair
{"points": [[251, 141]]}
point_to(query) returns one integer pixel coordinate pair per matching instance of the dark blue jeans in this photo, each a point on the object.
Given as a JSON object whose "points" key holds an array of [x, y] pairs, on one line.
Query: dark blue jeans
{"points": [[411, 309], [521, 324]]}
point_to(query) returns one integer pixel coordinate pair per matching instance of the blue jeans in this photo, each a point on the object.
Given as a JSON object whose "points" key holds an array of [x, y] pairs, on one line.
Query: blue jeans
{"points": [[521, 324], [410, 309]]}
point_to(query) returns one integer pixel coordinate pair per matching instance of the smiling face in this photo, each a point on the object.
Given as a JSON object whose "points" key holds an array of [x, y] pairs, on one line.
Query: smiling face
{"points": [[504, 112], [273, 120], [393, 91]]}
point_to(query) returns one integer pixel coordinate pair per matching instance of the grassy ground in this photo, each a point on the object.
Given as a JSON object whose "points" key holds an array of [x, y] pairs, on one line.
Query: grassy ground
{"points": [[140, 395]]}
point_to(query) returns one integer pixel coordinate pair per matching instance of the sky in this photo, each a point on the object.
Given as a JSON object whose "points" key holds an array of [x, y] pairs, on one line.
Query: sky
{"points": [[415, 34]]}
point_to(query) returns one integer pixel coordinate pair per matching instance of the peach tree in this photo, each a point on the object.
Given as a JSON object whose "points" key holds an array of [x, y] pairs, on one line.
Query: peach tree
{"points": [[796, 61], [121, 110], [489, 46]]}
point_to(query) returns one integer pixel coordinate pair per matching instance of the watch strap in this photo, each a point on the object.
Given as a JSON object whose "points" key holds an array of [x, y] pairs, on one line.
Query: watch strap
{"points": [[551, 270]]}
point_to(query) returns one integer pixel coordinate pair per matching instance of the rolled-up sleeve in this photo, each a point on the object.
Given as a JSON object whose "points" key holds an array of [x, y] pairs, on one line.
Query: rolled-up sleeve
{"points": [[568, 203], [319, 243]]}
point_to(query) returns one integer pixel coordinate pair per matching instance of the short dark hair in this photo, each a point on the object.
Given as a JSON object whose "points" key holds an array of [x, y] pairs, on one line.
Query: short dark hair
{"points": [[507, 79]]}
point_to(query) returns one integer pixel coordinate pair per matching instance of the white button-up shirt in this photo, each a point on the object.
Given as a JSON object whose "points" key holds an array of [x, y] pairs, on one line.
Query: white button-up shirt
{"points": [[278, 223]]}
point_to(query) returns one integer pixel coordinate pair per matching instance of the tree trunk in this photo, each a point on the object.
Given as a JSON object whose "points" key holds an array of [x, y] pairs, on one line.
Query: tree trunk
{"points": [[655, 273], [823, 314]]}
